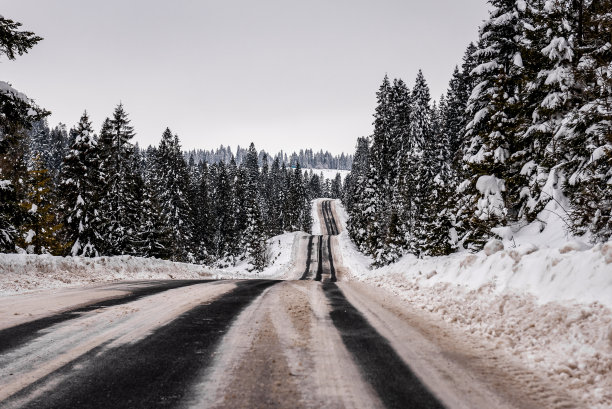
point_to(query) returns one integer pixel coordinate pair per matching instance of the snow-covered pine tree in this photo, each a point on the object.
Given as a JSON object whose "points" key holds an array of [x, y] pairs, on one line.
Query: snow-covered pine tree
{"points": [[17, 114], [79, 187], [55, 150], [437, 234], [305, 205], [172, 185], [589, 140], [354, 194], [39, 234], [336, 187], [277, 195], [377, 193], [288, 209], [239, 183], [203, 220], [154, 237], [314, 187], [119, 204], [495, 107], [254, 234], [224, 213], [13, 189], [422, 133]]}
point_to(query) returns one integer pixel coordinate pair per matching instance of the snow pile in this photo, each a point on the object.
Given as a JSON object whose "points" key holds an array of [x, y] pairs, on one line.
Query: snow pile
{"points": [[25, 272], [21, 273], [549, 307]]}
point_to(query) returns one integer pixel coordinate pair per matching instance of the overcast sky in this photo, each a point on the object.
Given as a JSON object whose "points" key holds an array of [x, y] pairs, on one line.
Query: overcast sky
{"points": [[284, 74]]}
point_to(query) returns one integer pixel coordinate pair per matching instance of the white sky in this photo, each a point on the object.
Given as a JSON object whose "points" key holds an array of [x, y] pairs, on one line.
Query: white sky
{"points": [[284, 74]]}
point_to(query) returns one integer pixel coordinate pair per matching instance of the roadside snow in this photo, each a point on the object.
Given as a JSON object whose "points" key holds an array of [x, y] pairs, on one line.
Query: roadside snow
{"points": [[282, 253], [316, 220], [20, 273], [548, 306], [27, 272]]}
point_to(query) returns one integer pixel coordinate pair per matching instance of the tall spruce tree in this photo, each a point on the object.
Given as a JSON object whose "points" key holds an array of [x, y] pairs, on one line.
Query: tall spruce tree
{"points": [[119, 202], [254, 236], [172, 182], [495, 107], [39, 234], [80, 181]]}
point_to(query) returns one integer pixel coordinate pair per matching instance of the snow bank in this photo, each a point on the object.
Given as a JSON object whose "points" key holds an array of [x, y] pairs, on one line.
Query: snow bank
{"points": [[21, 273], [549, 307], [26, 272]]}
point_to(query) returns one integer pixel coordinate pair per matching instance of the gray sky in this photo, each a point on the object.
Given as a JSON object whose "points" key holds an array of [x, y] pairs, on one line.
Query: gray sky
{"points": [[284, 74]]}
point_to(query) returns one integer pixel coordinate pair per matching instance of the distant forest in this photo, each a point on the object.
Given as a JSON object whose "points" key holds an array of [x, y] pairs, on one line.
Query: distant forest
{"points": [[307, 158]]}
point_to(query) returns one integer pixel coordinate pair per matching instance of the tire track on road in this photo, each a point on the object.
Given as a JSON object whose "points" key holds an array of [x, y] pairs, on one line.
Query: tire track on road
{"points": [[308, 257], [20, 334], [320, 260], [332, 269], [157, 371], [396, 385]]}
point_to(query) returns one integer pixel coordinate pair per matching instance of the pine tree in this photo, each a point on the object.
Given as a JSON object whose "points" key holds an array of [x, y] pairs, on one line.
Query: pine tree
{"points": [[119, 204], [494, 107], [355, 194], [379, 181], [277, 194], [172, 185], [336, 187], [223, 200], [203, 221], [39, 234], [17, 114], [154, 237], [424, 132], [56, 150], [13, 189], [254, 234], [588, 145], [80, 191]]}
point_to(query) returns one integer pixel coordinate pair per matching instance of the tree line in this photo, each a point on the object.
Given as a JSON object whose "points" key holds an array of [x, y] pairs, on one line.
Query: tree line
{"points": [[307, 158], [85, 194], [525, 129]]}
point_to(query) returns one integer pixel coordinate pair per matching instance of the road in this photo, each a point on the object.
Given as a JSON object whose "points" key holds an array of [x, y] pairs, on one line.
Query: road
{"points": [[316, 341]]}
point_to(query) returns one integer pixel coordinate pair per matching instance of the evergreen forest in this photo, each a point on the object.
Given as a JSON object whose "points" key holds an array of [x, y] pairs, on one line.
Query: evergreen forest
{"points": [[525, 129]]}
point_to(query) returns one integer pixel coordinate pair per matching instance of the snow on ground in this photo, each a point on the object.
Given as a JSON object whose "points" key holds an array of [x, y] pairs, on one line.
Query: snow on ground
{"points": [[27, 272], [316, 220], [282, 253], [547, 302], [20, 273]]}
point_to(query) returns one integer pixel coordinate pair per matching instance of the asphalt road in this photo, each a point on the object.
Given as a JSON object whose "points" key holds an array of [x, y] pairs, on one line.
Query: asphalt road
{"points": [[315, 341]]}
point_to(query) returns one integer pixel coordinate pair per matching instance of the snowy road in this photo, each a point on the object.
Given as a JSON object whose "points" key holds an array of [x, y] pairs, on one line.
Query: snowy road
{"points": [[305, 343]]}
